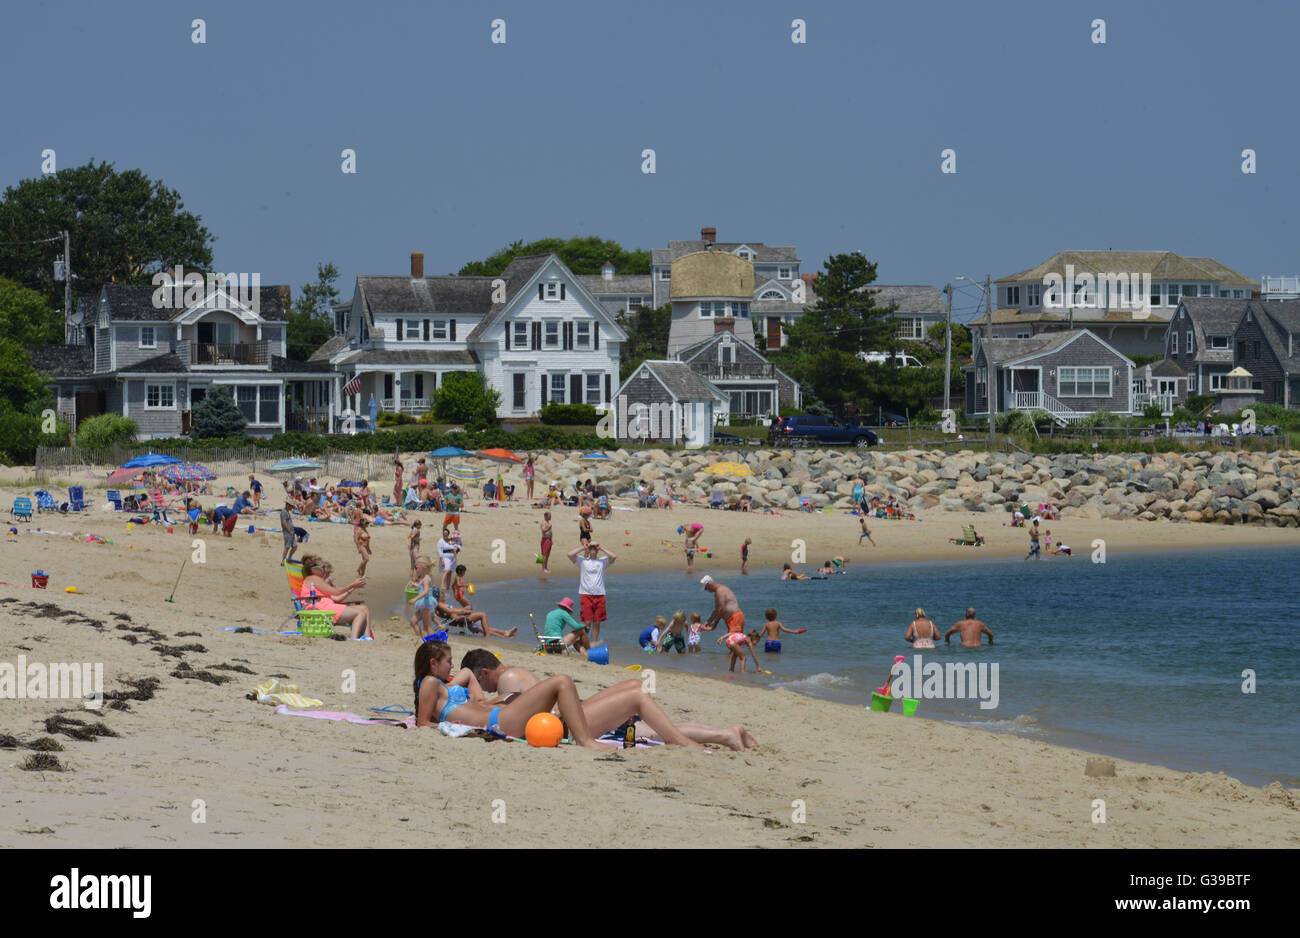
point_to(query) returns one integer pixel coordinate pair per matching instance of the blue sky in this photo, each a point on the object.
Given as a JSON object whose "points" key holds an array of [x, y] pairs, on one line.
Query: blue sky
{"points": [[832, 146]]}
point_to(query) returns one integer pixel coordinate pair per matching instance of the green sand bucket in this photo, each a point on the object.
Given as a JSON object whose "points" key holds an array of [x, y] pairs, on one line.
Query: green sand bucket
{"points": [[909, 705], [412, 592], [881, 703]]}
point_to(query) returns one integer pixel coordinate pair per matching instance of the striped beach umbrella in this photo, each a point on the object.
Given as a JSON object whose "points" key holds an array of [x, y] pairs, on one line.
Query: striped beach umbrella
{"points": [[730, 469], [466, 474], [294, 465]]}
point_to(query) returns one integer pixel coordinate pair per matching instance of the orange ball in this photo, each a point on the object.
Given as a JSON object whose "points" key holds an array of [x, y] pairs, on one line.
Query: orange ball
{"points": [[544, 729]]}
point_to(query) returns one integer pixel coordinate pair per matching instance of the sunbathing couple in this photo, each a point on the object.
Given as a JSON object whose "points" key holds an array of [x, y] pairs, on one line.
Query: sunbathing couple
{"points": [[461, 699]]}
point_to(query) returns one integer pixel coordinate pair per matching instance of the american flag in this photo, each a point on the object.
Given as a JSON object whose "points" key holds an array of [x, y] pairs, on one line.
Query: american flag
{"points": [[353, 386]]}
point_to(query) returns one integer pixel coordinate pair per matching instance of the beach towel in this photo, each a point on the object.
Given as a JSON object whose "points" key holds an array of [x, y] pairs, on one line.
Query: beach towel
{"points": [[285, 710], [274, 692]]}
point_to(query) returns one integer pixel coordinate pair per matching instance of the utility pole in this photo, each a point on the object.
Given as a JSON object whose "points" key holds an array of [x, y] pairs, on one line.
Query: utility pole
{"points": [[947, 357], [67, 282], [988, 356]]}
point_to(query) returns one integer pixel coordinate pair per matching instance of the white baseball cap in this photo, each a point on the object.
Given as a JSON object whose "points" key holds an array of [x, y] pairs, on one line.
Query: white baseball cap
{"points": [[706, 580]]}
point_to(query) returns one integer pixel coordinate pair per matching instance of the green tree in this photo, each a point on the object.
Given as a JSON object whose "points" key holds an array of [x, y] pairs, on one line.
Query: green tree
{"points": [[105, 430], [580, 255], [26, 317], [26, 403], [845, 318], [465, 398], [311, 316], [217, 416], [125, 227], [647, 337]]}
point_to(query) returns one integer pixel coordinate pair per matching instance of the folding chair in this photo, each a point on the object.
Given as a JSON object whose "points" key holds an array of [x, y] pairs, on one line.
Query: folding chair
{"points": [[115, 498], [716, 500], [77, 499], [548, 644], [22, 509], [45, 501], [311, 621]]}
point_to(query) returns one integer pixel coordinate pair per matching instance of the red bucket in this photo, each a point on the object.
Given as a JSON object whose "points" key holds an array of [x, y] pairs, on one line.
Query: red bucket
{"points": [[39, 582]]}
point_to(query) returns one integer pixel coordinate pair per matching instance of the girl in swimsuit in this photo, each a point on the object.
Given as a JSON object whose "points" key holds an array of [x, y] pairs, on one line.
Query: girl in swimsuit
{"points": [[546, 542], [459, 699], [361, 538], [921, 624], [425, 601]]}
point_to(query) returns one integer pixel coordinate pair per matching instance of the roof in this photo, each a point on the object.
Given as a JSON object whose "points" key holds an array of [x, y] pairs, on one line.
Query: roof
{"points": [[327, 351], [618, 285], [1161, 265], [763, 253], [1277, 320], [425, 296], [516, 275], [1010, 351], [1167, 368], [62, 361], [135, 303], [1003, 317], [911, 300], [682, 383], [1213, 315], [168, 362], [280, 364], [409, 357]]}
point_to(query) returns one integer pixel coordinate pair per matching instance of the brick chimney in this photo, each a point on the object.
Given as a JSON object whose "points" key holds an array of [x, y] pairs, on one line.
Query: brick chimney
{"points": [[417, 265], [726, 324], [709, 235]]}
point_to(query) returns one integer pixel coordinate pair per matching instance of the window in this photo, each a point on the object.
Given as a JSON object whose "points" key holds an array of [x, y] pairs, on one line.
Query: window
{"points": [[635, 302], [520, 393], [1013, 296], [1188, 347], [520, 337], [439, 330], [910, 328], [593, 388], [552, 290], [665, 273], [746, 254], [552, 330], [1191, 382], [1024, 335], [246, 398], [1189, 289], [1034, 294], [269, 403], [1207, 289], [1173, 343], [147, 337], [709, 309], [159, 396], [582, 334], [740, 310], [772, 295], [981, 377], [783, 273], [1218, 382], [1083, 382], [725, 354], [1236, 294], [559, 385], [1219, 341], [1155, 294]]}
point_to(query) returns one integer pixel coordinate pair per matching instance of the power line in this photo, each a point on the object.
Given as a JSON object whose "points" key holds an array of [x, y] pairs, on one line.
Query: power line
{"points": [[42, 241]]}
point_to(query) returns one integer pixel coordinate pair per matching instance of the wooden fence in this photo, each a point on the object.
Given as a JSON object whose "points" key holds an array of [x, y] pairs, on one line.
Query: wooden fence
{"points": [[54, 461]]}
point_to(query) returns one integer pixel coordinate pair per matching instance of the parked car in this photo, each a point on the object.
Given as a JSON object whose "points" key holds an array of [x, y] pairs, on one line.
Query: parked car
{"points": [[804, 430], [351, 424], [902, 359], [884, 419]]}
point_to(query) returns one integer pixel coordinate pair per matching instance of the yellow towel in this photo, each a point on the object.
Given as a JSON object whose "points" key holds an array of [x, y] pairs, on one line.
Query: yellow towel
{"points": [[273, 692]]}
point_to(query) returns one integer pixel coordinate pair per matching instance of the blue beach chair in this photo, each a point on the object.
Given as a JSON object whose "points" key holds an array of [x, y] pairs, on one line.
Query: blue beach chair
{"points": [[115, 498], [77, 498], [22, 509], [45, 501]]}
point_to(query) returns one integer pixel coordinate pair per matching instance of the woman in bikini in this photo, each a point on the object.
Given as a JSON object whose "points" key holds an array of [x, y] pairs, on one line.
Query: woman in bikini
{"points": [[921, 632], [330, 598], [584, 525], [460, 699], [547, 542], [397, 481]]}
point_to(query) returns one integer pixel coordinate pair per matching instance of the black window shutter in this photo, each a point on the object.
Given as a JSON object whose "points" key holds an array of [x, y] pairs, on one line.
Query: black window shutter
{"points": [[561, 291], [568, 336], [607, 383], [453, 330], [426, 330], [575, 389], [419, 387], [537, 336], [509, 326], [595, 340], [541, 291], [544, 380]]}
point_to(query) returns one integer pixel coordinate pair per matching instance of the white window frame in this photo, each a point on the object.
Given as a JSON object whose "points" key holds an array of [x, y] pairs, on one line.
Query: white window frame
{"points": [[1024, 335], [518, 326], [712, 309], [739, 310], [1034, 294], [730, 357], [560, 396], [438, 330], [581, 333], [552, 292], [153, 337], [1013, 296], [1191, 382], [1173, 342], [515, 376], [635, 303], [547, 326], [171, 388], [665, 273], [1220, 343], [1187, 345], [1219, 381], [1092, 380], [588, 388], [785, 273], [746, 255], [1207, 289], [772, 295]]}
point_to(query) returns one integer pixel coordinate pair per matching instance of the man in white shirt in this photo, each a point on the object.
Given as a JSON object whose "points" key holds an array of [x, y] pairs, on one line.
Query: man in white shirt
{"points": [[591, 584]]}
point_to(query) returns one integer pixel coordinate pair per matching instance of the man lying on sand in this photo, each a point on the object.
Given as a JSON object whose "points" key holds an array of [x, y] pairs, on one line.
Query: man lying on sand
{"points": [[495, 678]]}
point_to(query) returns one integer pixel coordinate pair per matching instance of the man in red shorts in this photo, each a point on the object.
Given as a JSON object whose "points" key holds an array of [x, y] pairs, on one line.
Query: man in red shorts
{"points": [[591, 584]]}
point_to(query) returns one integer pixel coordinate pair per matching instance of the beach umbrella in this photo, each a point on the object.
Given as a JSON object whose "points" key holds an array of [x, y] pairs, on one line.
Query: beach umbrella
{"points": [[149, 460], [443, 453], [121, 476], [595, 457], [187, 472], [730, 469], [498, 455], [374, 414], [294, 465], [466, 474]]}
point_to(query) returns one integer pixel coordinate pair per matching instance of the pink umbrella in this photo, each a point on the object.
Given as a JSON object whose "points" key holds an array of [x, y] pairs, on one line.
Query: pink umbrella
{"points": [[121, 476]]}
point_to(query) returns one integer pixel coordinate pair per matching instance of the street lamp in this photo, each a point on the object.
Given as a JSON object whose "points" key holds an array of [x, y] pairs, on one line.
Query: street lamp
{"points": [[989, 391]]}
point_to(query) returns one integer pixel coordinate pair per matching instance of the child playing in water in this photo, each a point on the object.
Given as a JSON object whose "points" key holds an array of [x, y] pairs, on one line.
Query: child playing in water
{"points": [[865, 532], [361, 537], [649, 638], [422, 603], [693, 533], [693, 643], [771, 632], [744, 556], [672, 636]]}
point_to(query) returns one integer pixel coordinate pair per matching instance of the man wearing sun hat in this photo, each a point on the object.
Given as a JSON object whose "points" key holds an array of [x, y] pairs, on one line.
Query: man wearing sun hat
{"points": [[561, 616]]}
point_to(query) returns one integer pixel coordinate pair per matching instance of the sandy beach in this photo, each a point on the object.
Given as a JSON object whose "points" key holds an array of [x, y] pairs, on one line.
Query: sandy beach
{"points": [[824, 774]]}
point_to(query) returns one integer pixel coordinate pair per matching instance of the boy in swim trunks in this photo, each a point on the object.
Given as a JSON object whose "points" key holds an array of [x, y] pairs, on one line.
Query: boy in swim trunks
{"points": [[726, 608], [692, 545], [673, 637], [771, 632]]}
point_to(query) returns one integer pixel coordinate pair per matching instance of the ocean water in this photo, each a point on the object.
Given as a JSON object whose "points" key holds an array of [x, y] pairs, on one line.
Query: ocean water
{"points": [[1141, 657]]}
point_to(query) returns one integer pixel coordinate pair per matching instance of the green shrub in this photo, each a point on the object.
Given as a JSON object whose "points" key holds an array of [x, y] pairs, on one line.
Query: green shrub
{"points": [[465, 398], [217, 416], [1199, 403], [387, 419], [105, 430], [1013, 422], [1153, 412], [570, 415]]}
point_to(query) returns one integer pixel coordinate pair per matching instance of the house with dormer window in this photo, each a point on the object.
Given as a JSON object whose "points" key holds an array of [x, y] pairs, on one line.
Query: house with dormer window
{"points": [[150, 354], [535, 333]]}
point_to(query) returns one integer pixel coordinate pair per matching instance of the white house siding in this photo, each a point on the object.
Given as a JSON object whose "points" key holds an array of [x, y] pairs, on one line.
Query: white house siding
{"points": [[688, 327], [385, 334]]}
